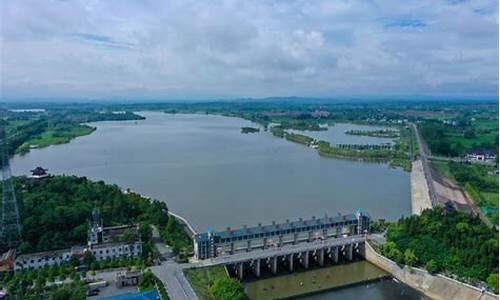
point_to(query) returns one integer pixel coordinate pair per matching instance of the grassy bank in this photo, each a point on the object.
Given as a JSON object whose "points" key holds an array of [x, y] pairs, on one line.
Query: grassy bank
{"points": [[325, 149], [202, 278], [55, 136], [299, 138], [54, 126], [399, 155]]}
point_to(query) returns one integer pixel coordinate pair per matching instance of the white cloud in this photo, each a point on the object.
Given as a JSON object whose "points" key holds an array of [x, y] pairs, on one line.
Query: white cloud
{"points": [[197, 49]]}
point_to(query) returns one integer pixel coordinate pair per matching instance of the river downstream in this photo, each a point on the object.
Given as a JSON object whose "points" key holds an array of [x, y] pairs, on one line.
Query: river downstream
{"points": [[360, 280]]}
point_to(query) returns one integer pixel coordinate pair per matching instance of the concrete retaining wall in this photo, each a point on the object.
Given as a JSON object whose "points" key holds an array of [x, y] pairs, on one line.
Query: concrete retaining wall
{"points": [[436, 287]]}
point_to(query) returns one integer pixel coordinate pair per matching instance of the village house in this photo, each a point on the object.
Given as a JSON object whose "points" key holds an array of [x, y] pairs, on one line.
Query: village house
{"points": [[481, 156]]}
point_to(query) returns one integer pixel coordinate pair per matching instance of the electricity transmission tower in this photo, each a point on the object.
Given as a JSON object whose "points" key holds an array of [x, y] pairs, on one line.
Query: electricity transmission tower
{"points": [[10, 225]]}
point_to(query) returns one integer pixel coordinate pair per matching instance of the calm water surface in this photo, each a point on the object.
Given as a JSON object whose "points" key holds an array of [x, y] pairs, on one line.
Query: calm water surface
{"points": [[209, 172], [383, 290], [305, 282], [336, 134]]}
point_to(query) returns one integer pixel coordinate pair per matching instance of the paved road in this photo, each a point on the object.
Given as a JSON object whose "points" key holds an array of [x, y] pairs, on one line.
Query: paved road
{"points": [[163, 249], [172, 276], [444, 158], [425, 164]]}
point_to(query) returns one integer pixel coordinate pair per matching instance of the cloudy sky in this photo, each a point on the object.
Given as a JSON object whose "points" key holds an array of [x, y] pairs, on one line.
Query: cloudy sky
{"points": [[207, 49]]}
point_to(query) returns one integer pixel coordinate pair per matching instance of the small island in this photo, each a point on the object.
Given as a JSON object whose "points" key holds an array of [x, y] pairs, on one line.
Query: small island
{"points": [[249, 130]]}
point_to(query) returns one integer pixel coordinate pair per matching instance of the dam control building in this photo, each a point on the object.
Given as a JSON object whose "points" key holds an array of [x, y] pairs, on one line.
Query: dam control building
{"points": [[232, 241]]}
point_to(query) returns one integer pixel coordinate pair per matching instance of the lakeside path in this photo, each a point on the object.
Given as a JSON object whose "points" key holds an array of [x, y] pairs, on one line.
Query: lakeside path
{"points": [[420, 199], [425, 167]]}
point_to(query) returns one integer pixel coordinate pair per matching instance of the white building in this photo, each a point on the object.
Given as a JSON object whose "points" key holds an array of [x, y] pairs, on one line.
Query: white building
{"points": [[481, 156], [48, 258], [112, 250], [112, 242]]}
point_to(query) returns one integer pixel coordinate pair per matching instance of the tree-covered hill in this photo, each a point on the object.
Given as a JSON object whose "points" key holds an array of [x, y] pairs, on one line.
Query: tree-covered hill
{"points": [[55, 210], [455, 242]]}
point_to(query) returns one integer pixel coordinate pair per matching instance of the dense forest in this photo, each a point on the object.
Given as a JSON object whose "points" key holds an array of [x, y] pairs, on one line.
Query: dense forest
{"points": [[453, 242], [55, 210]]}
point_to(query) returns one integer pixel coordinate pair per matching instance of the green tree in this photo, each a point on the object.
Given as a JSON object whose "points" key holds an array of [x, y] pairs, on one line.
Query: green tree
{"points": [[88, 259], [145, 231], [227, 289], [431, 266], [147, 281], [410, 257], [493, 282]]}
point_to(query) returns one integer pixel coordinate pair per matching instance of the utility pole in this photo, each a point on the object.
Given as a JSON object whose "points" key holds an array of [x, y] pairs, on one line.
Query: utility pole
{"points": [[10, 222]]}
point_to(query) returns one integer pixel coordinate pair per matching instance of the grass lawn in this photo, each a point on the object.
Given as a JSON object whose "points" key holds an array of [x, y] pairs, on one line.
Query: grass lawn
{"points": [[201, 278], [443, 169], [56, 136], [486, 131], [491, 199]]}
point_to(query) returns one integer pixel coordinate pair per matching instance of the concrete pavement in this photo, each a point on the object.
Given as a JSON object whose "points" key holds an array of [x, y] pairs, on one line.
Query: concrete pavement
{"points": [[426, 168], [172, 276]]}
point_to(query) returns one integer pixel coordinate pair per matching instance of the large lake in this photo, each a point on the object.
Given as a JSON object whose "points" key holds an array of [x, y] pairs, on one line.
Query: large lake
{"points": [[209, 172]]}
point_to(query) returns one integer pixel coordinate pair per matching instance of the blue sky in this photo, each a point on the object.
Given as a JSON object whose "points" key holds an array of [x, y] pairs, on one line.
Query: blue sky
{"points": [[209, 49]]}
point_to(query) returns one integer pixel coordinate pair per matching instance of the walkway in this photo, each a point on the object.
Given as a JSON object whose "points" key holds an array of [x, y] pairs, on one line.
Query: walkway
{"points": [[425, 166], [419, 189]]}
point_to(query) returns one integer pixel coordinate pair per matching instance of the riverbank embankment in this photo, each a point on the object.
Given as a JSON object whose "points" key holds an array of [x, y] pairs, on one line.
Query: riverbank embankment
{"points": [[420, 198], [436, 287]]}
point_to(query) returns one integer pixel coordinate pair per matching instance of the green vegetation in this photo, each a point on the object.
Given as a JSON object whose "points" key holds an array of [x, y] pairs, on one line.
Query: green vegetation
{"points": [[479, 181], [40, 284], [382, 133], [373, 152], [380, 225], [278, 131], [301, 122], [55, 210], [148, 281], [453, 242], [249, 130], [399, 155], [123, 262], [54, 136], [299, 138], [202, 278], [54, 126], [174, 234], [456, 137], [227, 289]]}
